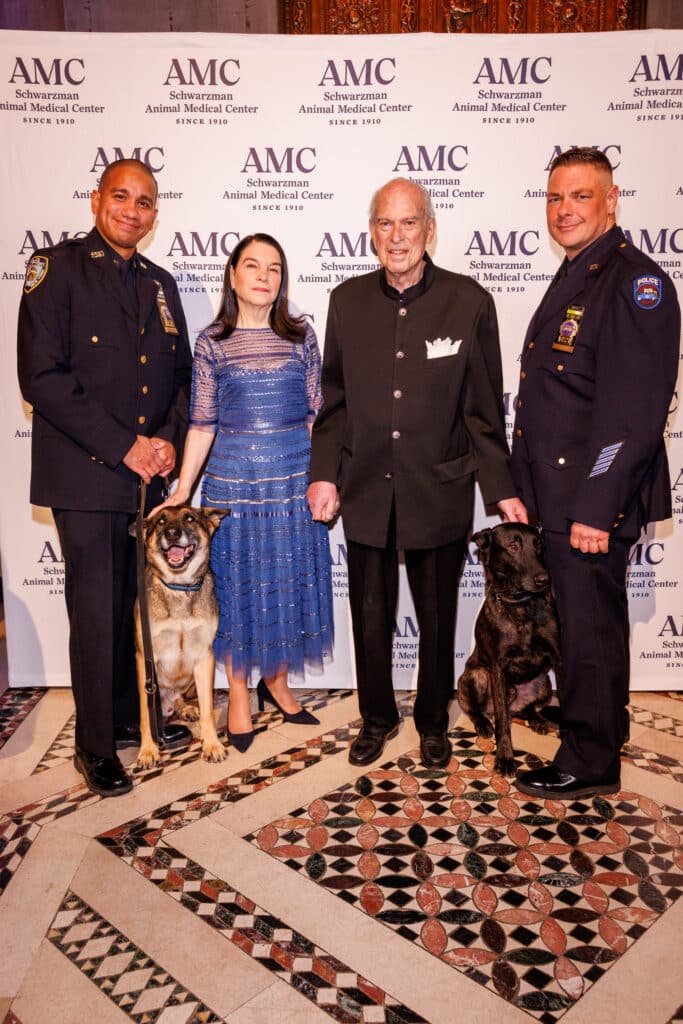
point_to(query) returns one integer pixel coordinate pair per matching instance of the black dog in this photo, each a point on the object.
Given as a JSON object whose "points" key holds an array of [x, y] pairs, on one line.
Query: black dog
{"points": [[516, 638]]}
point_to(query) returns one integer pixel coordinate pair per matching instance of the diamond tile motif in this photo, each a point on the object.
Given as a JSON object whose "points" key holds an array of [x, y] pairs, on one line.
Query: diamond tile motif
{"points": [[62, 748], [335, 988], [15, 706], [131, 979], [16, 837], [651, 761], [59, 804], [655, 720], [534, 900]]}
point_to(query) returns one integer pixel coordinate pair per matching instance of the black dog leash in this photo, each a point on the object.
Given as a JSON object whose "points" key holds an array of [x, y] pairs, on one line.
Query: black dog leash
{"points": [[151, 687]]}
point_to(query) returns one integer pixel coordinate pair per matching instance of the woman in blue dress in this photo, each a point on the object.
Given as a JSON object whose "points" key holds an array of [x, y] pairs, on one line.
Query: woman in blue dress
{"points": [[255, 395]]}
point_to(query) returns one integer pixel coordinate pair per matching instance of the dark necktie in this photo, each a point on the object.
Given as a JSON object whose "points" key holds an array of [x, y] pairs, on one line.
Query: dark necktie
{"points": [[129, 279]]}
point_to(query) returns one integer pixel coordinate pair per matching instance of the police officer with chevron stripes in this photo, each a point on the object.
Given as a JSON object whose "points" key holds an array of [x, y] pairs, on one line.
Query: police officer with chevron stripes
{"points": [[598, 370]]}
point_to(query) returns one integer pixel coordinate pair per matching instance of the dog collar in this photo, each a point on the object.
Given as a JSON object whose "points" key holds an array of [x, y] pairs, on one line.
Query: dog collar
{"points": [[527, 596], [184, 586]]}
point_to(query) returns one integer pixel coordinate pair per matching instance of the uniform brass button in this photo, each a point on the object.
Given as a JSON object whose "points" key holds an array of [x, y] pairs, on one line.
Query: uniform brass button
{"points": [[523, 375], [403, 311], [620, 515], [396, 434], [93, 458], [145, 389], [398, 393], [388, 476], [560, 367], [519, 403], [142, 330], [400, 354], [94, 339], [532, 344], [143, 359], [519, 432], [173, 348], [561, 460], [616, 525], [141, 419]]}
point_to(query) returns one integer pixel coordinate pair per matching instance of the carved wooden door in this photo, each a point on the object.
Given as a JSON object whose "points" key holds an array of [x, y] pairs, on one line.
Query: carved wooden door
{"points": [[340, 17]]}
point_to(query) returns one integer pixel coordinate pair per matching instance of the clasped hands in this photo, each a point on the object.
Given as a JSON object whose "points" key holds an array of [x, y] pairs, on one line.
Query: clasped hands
{"points": [[150, 457]]}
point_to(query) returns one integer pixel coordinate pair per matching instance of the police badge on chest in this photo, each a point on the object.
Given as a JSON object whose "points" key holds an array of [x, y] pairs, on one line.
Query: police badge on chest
{"points": [[167, 321], [569, 329]]}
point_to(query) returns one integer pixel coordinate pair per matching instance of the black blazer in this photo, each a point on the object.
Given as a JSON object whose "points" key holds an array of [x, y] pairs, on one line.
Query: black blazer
{"points": [[412, 409], [97, 374], [587, 443]]}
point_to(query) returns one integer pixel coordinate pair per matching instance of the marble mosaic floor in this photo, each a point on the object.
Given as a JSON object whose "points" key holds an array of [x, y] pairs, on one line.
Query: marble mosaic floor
{"points": [[286, 886]]}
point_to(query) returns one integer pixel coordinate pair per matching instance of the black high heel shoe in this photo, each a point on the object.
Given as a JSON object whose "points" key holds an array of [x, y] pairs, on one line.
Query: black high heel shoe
{"points": [[241, 740], [300, 717]]}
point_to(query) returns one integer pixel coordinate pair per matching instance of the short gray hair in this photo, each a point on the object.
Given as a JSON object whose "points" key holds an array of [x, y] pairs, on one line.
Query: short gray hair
{"points": [[427, 205]]}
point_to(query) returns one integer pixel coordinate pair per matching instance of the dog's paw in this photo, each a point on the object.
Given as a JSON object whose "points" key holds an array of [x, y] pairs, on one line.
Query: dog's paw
{"points": [[188, 712], [148, 756], [482, 726], [213, 750], [504, 765]]}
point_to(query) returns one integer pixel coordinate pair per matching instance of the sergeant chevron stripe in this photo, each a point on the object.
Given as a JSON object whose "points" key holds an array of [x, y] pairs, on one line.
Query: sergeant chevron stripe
{"points": [[605, 459]]}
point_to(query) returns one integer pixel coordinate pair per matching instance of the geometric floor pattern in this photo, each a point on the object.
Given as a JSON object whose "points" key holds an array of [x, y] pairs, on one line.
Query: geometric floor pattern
{"points": [[653, 761], [321, 892], [533, 899], [664, 723], [131, 979], [15, 706]]}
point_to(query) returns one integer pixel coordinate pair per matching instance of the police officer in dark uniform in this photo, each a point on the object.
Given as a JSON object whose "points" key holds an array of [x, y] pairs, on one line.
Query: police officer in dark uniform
{"points": [[598, 371], [105, 362]]}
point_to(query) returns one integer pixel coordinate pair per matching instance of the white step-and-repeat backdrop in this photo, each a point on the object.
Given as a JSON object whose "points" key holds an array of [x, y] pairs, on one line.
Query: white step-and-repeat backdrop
{"points": [[291, 136]]}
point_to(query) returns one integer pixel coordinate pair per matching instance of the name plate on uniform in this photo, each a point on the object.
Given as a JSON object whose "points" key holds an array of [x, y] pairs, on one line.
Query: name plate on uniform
{"points": [[569, 328]]}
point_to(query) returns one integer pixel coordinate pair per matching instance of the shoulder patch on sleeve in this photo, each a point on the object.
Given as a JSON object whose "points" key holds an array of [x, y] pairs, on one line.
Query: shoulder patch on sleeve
{"points": [[647, 292], [36, 272]]}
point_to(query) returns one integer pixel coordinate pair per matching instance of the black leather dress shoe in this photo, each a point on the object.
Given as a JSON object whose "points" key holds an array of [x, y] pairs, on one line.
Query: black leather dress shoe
{"points": [[551, 783], [368, 745], [105, 776], [175, 736], [435, 750]]}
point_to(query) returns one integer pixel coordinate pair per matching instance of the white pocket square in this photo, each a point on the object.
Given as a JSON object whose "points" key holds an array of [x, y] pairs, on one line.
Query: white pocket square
{"points": [[441, 347]]}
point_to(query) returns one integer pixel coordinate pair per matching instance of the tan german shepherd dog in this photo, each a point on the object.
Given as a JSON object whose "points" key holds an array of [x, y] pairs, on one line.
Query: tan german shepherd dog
{"points": [[183, 618]]}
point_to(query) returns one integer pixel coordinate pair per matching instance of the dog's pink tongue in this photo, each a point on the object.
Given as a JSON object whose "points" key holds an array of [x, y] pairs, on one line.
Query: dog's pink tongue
{"points": [[176, 554]]}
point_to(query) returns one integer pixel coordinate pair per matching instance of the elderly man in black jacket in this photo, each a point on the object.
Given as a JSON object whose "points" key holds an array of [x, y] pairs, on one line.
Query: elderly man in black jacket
{"points": [[412, 413], [598, 370], [105, 362]]}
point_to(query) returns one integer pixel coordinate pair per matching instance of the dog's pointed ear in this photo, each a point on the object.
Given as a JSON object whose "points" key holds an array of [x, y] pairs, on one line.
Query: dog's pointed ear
{"points": [[213, 517], [133, 528], [483, 542]]}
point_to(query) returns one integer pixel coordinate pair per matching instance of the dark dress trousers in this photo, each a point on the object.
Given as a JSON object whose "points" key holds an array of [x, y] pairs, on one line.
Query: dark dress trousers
{"points": [[412, 415], [102, 358], [588, 448]]}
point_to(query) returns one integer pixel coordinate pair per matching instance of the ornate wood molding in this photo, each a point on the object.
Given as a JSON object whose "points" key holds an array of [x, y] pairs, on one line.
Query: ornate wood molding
{"points": [[361, 17]]}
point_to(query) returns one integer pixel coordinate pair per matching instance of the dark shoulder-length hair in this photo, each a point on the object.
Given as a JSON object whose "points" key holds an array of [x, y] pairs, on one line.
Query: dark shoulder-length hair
{"points": [[281, 320]]}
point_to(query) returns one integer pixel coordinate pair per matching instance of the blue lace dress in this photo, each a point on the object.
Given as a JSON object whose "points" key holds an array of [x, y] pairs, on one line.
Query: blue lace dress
{"points": [[271, 563]]}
